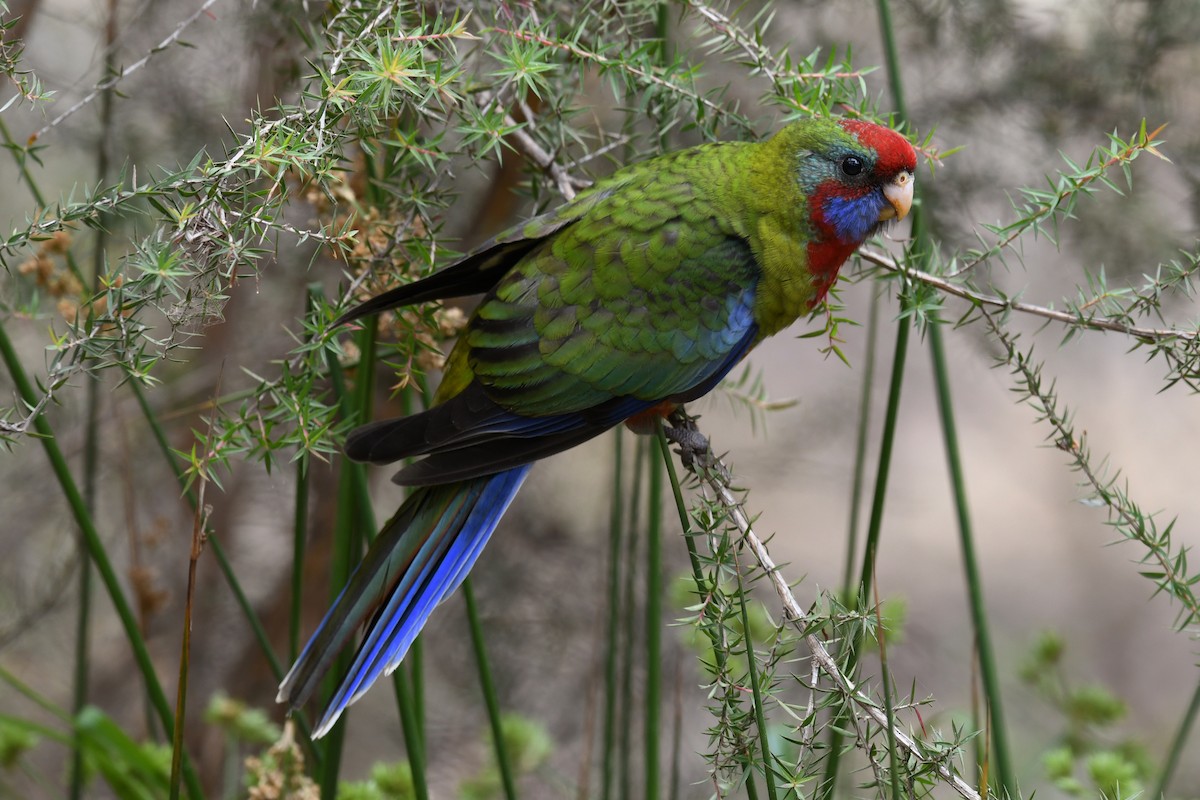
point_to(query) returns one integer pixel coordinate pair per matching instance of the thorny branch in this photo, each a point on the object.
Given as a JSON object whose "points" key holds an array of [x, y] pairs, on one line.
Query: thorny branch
{"points": [[1009, 304], [1126, 517], [715, 475], [194, 234], [1067, 189]]}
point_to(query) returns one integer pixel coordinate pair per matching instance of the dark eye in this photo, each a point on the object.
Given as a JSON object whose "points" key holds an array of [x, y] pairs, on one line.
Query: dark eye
{"points": [[852, 165]]}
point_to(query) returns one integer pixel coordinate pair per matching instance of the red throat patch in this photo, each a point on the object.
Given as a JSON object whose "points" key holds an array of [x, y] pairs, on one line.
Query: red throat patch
{"points": [[825, 259]]}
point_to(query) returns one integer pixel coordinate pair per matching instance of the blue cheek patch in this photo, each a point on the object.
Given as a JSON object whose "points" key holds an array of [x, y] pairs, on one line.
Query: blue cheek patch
{"points": [[854, 217]]}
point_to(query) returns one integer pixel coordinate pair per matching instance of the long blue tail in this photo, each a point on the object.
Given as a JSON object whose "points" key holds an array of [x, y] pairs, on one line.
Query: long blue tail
{"points": [[416, 562]]}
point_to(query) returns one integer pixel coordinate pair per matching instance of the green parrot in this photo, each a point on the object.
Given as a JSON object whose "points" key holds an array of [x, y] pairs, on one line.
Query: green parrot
{"points": [[634, 297]]}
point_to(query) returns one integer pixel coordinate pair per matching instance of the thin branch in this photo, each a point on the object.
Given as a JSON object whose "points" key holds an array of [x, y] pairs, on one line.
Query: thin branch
{"points": [[199, 536], [125, 72], [1008, 304], [566, 183]]}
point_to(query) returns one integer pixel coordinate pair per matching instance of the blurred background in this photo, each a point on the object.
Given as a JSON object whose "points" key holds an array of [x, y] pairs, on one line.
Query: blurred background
{"points": [[1017, 84]]}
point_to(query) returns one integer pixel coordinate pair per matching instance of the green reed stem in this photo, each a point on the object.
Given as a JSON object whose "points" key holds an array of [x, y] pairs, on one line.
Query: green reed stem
{"points": [[350, 531], [1178, 742], [1005, 776], [299, 543], [614, 614], [653, 632], [414, 742], [860, 446], [629, 624], [760, 716], [489, 693], [96, 550]]}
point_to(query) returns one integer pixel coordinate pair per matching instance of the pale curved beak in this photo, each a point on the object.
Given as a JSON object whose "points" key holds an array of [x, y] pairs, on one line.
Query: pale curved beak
{"points": [[899, 193]]}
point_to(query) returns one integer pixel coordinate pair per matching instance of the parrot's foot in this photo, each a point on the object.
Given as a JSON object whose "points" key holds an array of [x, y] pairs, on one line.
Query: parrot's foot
{"points": [[694, 449]]}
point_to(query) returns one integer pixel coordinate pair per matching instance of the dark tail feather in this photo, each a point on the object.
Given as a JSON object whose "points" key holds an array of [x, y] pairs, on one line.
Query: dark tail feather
{"points": [[418, 560], [475, 274]]}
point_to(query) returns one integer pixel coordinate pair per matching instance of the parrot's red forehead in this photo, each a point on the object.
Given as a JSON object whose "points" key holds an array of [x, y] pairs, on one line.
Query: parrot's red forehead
{"points": [[894, 152]]}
